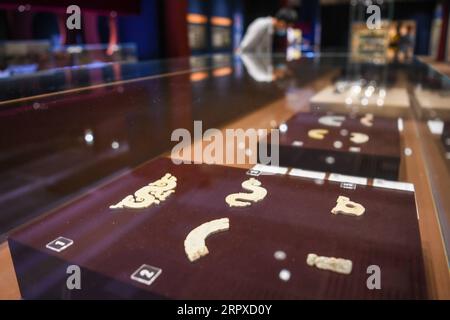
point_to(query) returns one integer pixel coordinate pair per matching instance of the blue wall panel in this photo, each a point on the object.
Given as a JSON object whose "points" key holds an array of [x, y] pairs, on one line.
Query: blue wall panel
{"points": [[198, 6], [143, 30]]}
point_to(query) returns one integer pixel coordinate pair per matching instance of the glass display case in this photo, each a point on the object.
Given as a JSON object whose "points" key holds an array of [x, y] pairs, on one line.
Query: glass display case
{"points": [[363, 180]]}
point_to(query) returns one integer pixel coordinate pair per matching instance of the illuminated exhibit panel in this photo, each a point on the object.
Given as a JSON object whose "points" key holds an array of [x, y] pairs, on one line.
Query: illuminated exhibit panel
{"points": [[306, 238], [221, 32], [197, 31], [394, 41], [364, 145], [347, 96]]}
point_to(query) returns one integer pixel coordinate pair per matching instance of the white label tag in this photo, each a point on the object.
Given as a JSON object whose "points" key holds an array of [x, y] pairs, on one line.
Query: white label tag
{"points": [[404, 186], [307, 174], [343, 178], [348, 185]]}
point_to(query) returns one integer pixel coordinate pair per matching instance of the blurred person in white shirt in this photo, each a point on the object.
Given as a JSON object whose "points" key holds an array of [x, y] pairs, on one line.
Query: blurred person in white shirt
{"points": [[259, 35]]}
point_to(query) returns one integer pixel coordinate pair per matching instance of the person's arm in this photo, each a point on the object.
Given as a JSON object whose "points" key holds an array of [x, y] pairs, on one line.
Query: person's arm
{"points": [[253, 36], [259, 68]]}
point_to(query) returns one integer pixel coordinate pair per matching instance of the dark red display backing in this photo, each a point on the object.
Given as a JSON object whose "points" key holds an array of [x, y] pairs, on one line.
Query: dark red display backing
{"points": [[294, 217]]}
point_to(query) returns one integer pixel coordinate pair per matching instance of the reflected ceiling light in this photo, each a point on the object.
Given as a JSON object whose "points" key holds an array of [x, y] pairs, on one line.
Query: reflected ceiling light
{"points": [[74, 49], [285, 275], [380, 102], [115, 145], [369, 91], [89, 137], [348, 101], [364, 101], [279, 255], [337, 144], [111, 49], [283, 128], [319, 181]]}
